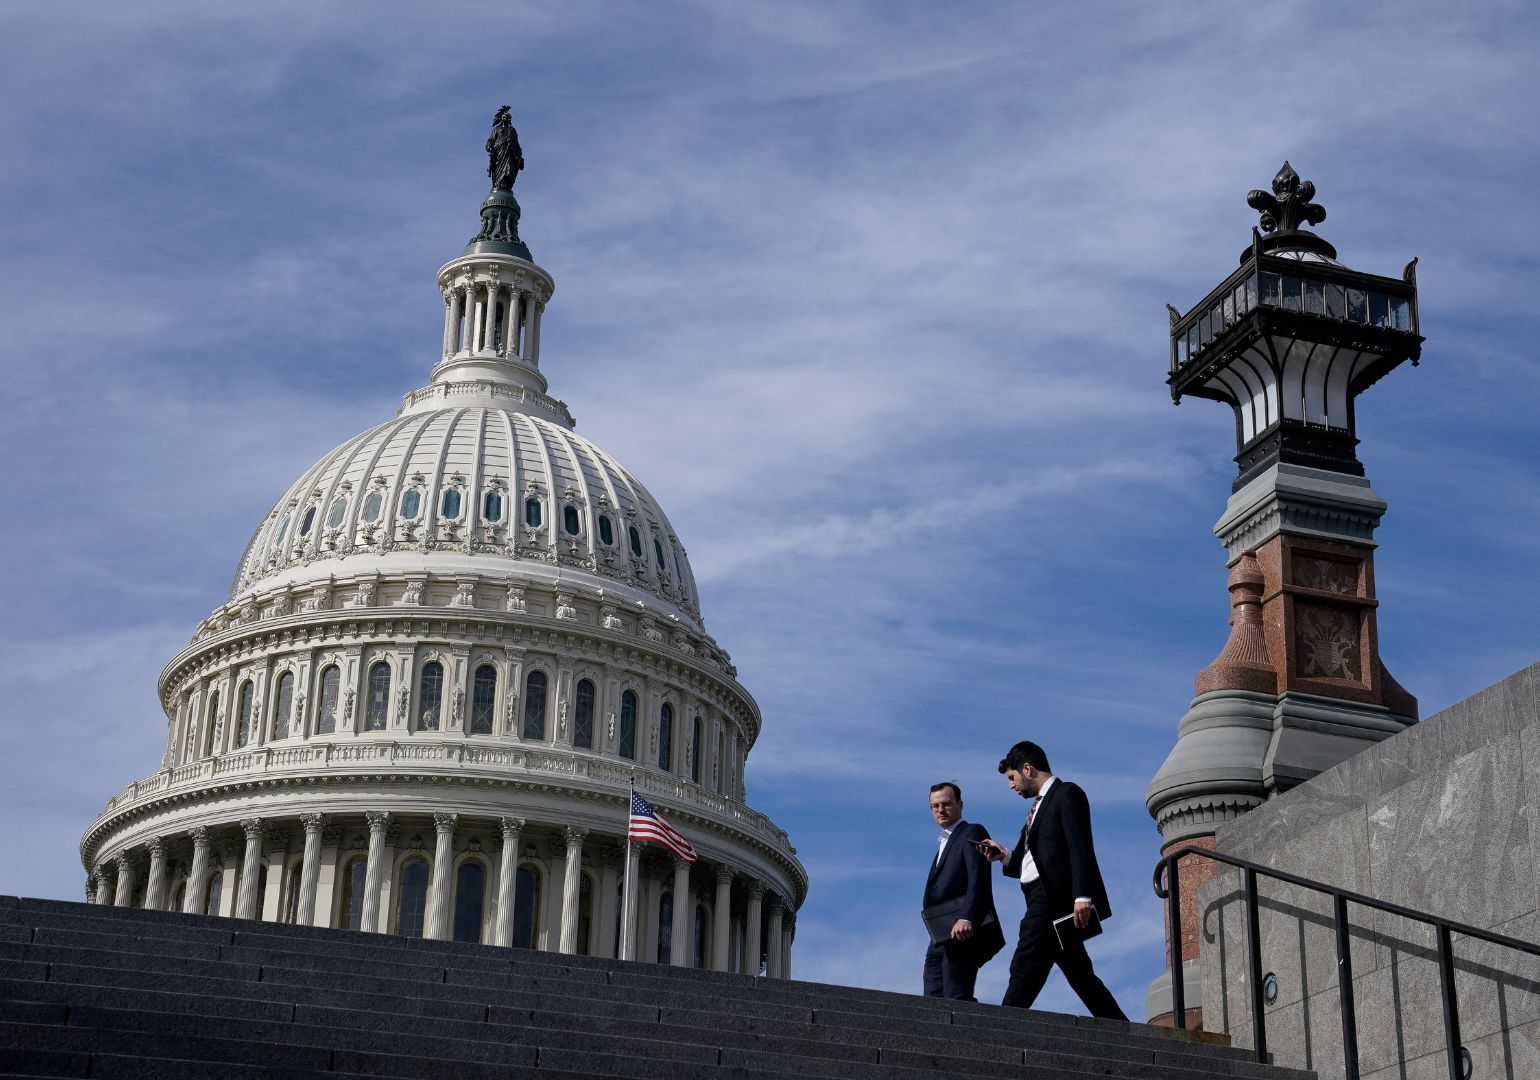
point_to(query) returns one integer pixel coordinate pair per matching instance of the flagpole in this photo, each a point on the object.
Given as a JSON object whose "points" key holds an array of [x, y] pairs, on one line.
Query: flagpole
{"points": [[627, 915]]}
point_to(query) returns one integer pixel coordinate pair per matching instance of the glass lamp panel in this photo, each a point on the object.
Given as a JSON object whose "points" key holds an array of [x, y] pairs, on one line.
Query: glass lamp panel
{"points": [[483, 696], [1336, 301], [1379, 310], [1229, 310], [430, 695], [1271, 286], [1357, 306], [1290, 292], [1203, 332], [534, 705], [583, 716], [1251, 292], [1315, 302], [1400, 313], [1193, 345]]}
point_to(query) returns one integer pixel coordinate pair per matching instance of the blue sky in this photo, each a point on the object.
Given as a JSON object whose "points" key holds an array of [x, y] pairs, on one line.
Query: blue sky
{"points": [[870, 296]]}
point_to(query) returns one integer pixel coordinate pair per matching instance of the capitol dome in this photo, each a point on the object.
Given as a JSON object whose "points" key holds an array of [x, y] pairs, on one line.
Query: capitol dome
{"points": [[452, 649]]}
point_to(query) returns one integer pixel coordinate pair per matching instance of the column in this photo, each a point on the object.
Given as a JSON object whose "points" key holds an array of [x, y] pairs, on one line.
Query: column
{"points": [[104, 890], [489, 330], [507, 881], [310, 868], [683, 937], [438, 885], [773, 966], [198, 877], [571, 890], [722, 919], [752, 929], [633, 887], [531, 339], [534, 333], [374, 870], [451, 322], [790, 934], [251, 869], [124, 895], [155, 888]]}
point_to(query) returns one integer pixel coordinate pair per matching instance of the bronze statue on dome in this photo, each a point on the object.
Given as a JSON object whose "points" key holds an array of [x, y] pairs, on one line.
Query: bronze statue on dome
{"points": [[503, 148]]}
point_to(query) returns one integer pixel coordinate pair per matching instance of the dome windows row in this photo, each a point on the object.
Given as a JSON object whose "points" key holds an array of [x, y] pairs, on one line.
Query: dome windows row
{"points": [[700, 750]]}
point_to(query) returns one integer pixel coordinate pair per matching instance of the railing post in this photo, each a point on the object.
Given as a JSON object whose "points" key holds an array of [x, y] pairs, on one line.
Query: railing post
{"points": [[1451, 1007], [1345, 987], [1254, 949], [1174, 921]]}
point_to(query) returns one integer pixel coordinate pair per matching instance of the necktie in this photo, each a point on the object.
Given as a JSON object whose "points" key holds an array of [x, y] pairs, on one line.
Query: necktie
{"points": [[1032, 813]]}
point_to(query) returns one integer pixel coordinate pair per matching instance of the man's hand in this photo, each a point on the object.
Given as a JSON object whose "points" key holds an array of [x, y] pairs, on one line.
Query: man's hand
{"points": [[962, 930], [992, 851], [1083, 914]]}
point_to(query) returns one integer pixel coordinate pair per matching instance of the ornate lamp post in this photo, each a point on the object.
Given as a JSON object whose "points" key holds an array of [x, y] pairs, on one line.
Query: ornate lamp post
{"points": [[1288, 341]]}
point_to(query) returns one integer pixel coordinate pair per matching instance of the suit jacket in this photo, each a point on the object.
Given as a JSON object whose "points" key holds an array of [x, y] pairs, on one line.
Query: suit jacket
{"points": [[962, 872], [1061, 847]]}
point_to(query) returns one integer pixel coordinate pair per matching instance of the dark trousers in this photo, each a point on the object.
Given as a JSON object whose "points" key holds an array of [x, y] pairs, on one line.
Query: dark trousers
{"points": [[951, 970], [1037, 950]]}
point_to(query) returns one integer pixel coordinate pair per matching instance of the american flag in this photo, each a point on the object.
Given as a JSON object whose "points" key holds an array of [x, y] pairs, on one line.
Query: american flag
{"points": [[647, 824]]}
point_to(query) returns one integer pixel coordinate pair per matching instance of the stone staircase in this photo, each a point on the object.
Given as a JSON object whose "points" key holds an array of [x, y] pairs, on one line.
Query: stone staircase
{"points": [[119, 993]]}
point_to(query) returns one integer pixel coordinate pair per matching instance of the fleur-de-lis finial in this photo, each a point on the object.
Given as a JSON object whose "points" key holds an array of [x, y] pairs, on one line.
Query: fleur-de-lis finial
{"points": [[1288, 205]]}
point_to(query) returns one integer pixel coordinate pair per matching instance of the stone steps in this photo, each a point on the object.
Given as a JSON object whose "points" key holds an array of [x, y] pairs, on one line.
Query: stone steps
{"points": [[115, 992]]}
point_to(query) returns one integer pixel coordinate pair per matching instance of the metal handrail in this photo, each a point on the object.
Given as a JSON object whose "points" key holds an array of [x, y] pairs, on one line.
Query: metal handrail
{"points": [[1444, 930]]}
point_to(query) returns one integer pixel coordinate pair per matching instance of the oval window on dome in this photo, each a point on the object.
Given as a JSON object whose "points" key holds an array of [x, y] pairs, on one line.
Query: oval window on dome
{"points": [[570, 522], [492, 507], [451, 504], [606, 530], [636, 541], [532, 513], [334, 515], [307, 521], [657, 550], [283, 530], [372, 506], [411, 503]]}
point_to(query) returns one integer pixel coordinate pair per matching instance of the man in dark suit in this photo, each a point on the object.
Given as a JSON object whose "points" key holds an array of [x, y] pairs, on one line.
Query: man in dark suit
{"points": [[1055, 862], [958, 890]]}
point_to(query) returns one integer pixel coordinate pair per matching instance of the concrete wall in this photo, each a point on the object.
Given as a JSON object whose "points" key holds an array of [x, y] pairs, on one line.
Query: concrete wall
{"points": [[1443, 818]]}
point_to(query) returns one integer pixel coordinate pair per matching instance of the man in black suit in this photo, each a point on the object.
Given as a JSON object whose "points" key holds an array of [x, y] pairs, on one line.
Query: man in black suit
{"points": [[958, 890], [1055, 862]]}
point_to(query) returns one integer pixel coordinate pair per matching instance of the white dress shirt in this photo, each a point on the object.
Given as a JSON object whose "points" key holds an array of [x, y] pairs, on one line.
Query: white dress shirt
{"points": [[1029, 871]]}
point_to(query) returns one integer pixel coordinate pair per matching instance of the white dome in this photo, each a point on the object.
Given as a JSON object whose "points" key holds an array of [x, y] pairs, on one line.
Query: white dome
{"points": [[470, 489]]}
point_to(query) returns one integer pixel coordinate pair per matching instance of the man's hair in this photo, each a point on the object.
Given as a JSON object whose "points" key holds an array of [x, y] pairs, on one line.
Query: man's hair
{"points": [[956, 791], [1025, 753]]}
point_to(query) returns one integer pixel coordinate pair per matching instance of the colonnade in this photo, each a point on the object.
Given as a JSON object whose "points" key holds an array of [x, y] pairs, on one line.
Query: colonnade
{"points": [[556, 887], [490, 318]]}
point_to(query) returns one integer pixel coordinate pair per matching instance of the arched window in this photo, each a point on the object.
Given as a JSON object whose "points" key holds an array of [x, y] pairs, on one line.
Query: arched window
{"points": [[534, 705], [585, 915], [628, 725], [451, 503], [666, 737], [636, 541], [583, 716], [216, 889], [492, 507], [331, 682], [411, 503], [470, 896], [413, 897], [430, 695], [350, 913], [526, 894], [483, 697], [570, 521], [665, 927], [606, 530], [213, 719], [697, 750], [378, 709], [532, 513], [701, 924], [284, 709], [247, 700]]}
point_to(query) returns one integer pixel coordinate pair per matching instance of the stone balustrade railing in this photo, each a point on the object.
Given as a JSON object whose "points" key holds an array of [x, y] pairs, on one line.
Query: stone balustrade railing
{"points": [[455, 756]]}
